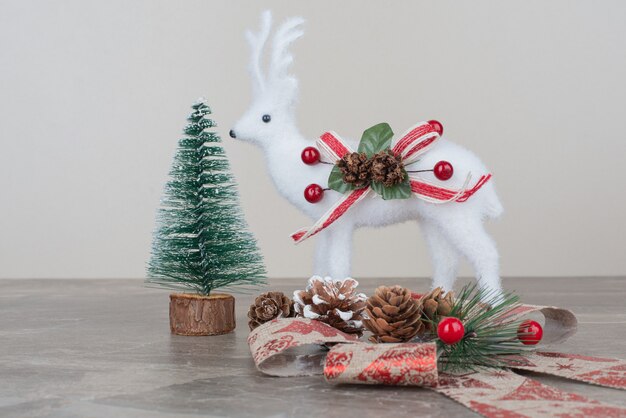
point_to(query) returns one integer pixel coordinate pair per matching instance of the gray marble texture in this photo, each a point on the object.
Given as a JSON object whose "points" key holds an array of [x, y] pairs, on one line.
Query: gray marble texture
{"points": [[102, 348]]}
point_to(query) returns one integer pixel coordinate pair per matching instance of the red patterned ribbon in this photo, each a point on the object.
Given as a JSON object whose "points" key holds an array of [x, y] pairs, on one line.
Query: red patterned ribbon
{"points": [[504, 394], [558, 324], [383, 364], [415, 142], [280, 338], [600, 371], [293, 347]]}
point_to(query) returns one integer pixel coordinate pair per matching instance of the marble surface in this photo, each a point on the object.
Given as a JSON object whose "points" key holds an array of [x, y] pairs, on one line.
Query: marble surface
{"points": [[102, 348]]}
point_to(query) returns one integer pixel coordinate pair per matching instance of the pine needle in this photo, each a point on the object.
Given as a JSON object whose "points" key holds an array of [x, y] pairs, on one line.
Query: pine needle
{"points": [[491, 338]]}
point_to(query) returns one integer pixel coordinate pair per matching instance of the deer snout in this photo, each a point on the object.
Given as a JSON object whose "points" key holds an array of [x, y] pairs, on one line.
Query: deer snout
{"points": [[232, 134]]}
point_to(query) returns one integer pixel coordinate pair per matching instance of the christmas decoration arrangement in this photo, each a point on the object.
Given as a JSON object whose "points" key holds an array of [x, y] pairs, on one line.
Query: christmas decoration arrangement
{"points": [[201, 242], [466, 346], [380, 180]]}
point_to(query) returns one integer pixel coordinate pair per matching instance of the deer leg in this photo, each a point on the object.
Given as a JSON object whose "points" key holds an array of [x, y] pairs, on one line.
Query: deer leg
{"points": [[472, 241], [320, 266], [339, 250], [444, 256]]}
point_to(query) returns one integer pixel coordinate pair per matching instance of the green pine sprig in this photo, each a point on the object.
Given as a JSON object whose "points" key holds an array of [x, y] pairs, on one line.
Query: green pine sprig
{"points": [[201, 241], [491, 335]]}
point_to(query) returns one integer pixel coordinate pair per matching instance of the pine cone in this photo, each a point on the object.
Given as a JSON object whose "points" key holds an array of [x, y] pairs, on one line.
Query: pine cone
{"points": [[334, 302], [355, 168], [392, 315], [268, 306], [387, 168], [436, 303]]}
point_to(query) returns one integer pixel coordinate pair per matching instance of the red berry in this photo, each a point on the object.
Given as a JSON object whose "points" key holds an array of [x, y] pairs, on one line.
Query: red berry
{"points": [[530, 332], [310, 155], [437, 126], [450, 330], [313, 193], [443, 170]]}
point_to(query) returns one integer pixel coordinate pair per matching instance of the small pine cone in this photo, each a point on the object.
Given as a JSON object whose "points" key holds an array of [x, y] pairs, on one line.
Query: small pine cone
{"points": [[355, 168], [387, 168], [334, 302], [436, 303], [392, 315], [268, 306]]}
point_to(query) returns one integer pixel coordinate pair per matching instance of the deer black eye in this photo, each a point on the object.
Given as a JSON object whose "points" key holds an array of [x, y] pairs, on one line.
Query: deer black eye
{"points": [[266, 118]]}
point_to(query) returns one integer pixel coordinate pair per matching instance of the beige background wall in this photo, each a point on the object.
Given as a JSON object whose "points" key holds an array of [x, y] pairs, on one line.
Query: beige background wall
{"points": [[94, 94]]}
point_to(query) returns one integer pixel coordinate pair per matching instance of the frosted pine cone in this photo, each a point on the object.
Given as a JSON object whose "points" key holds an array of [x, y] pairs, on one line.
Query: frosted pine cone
{"points": [[334, 302], [392, 315], [268, 306], [355, 168], [387, 168]]}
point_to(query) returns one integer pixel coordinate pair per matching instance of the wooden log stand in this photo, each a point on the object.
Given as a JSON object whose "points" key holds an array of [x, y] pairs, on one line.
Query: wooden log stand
{"points": [[192, 314]]}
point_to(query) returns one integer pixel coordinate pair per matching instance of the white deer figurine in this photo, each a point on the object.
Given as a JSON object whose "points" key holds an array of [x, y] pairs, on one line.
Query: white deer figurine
{"points": [[452, 229]]}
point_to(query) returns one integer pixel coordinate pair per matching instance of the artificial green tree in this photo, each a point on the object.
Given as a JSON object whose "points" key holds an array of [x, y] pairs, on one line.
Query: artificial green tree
{"points": [[201, 241]]}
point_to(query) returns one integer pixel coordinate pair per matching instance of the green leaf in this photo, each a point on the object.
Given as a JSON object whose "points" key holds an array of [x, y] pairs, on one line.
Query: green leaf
{"points": [[335, 181], [376, 139], [398, 191]]}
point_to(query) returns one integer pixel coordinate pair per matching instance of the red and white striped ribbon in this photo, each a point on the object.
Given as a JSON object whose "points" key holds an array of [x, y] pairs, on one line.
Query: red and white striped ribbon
{"points": [[332, 214], [415, 142], [332, 147]]}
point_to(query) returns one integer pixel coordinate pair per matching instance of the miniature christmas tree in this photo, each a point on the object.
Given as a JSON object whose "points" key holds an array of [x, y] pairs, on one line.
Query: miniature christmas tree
{"points": [[201, 241]]}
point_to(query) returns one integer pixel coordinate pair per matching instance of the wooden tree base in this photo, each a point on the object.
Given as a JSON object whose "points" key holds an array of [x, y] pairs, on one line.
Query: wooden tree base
{"points": [[192, 314]]}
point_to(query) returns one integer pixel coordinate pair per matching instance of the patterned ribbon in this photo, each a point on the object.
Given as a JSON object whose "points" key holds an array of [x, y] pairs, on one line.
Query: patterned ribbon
{"points": [[599, 371], [383, 364], [295, 347], [291, 346], [415, 142], [505, 394]]}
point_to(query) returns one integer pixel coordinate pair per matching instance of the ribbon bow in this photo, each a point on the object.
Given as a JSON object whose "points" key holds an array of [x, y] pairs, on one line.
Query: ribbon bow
{"points": [[415, 142]]}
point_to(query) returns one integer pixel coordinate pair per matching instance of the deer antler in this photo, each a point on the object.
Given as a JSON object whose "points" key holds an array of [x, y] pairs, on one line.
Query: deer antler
{"points": [[257, 43], [281, 57]]}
